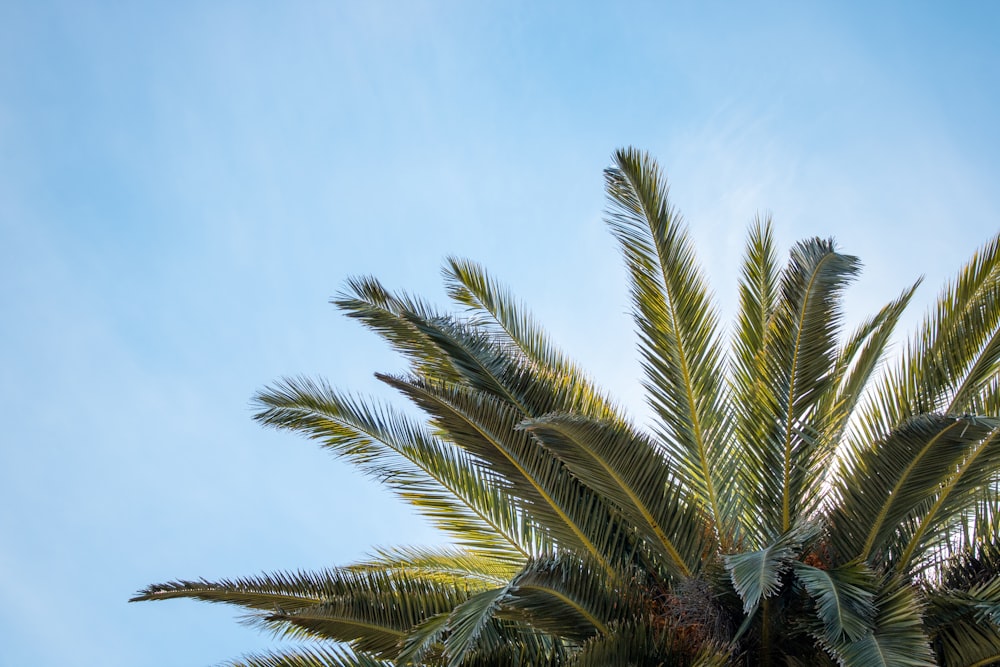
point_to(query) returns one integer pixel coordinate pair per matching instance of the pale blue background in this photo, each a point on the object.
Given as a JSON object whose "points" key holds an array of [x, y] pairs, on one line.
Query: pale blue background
{"points": [[183, 185]]}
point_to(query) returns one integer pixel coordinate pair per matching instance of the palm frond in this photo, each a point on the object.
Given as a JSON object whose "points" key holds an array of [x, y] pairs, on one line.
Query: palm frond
{"points": [[641, 643], [898, 640], [519, 651], [629, 471], [678, 330], [758, 574], [447, 564], [568, 597], [880, 488], [476, 353], [953, 357], [794, 503], [368, 301], [313, 656], [967, 643], [373, 610], [498, 312], [443, 482], [759, 294], [368, 629], [844, 599], [963, 608], [280, 590], [783, 467], [576, 517], [469, 621], [424, 643], [859, 358], [976, 470]]}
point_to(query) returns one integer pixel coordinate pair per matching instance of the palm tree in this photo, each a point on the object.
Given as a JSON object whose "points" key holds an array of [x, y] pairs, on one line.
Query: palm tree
{"points": [[795, 501]]}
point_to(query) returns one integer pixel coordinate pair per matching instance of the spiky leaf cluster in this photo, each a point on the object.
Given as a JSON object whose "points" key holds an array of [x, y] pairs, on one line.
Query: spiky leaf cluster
{"points": [[796, 500]]}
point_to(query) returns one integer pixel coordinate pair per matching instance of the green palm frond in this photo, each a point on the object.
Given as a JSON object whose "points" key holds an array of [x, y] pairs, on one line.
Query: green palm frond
{"points": [[576, 517], [632, 645], [959, 492], [976, 565], [967, 643], [424, 643], [368, 301], [963, 608], [754, 408], [371, 609], [312, 656], [497, 311], [486, 365], [859, 358], [449, 564], [278, 590], [455, 491], [570, 598], [627, 469], [445, 348], [880, 488], [519, 653], [801, 355], [951, 359], [369, 630], [759, 295], [899, 639], [844, 599], [642, 643], [482, 364], [677, 328], [472, 623], [756, 575]]}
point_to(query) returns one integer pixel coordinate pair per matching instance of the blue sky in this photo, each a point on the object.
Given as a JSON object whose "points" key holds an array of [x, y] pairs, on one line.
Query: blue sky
{"points": [[183, 186]]}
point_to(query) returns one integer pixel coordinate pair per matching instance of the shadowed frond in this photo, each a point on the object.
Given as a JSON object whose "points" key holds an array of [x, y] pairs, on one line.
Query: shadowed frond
{"points": [[641, 643], [880, 489], [844, 599], [469, 621], [568, 597], [963, 609], [959, 493], [626, 468], [898, 640], [757, 574]]}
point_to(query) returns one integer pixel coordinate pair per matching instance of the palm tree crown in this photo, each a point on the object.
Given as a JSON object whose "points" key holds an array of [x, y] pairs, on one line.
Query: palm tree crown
{"points": [[796, 501]]}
